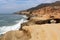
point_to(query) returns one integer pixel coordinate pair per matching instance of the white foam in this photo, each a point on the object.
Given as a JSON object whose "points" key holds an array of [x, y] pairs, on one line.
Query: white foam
{"points": [[5, 29]]}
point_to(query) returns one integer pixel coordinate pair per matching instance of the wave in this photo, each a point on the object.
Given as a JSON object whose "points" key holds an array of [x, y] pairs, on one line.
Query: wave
{"points": [[5, 29]]}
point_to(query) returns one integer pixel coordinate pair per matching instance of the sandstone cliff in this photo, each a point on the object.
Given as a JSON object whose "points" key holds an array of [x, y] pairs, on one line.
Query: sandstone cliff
{"points": [[40, 10], [43, 24], [35, 32]]}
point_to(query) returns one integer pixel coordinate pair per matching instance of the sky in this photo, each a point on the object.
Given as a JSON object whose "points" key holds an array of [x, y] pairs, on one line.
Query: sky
{"points": [[11, 6]]}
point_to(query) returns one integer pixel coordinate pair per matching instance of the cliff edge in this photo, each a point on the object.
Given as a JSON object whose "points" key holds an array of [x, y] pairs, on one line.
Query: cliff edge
{"points": [[43, 24]]}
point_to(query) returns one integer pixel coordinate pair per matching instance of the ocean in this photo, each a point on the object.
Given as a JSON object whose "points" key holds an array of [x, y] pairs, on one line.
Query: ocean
{"points": [[10, 22]]}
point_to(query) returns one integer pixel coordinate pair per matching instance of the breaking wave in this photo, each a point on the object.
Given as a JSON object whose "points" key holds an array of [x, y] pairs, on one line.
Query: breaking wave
{"points": [[5, 29]]}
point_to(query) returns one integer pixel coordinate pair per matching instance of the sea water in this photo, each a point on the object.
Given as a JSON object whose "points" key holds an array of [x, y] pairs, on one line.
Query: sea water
{"points": [[11, 22]]}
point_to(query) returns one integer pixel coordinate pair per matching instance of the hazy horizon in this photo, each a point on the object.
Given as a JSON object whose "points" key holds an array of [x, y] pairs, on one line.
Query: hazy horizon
{"points": [[10, 6]]}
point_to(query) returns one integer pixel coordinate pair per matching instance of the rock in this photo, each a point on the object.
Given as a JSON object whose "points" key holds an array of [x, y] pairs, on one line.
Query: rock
{"points": [[49, 10], [32, 21], [44, 32], [47, 14], [52, 9], [40, 20], [16, 35], [53, 21], [35, 32]]}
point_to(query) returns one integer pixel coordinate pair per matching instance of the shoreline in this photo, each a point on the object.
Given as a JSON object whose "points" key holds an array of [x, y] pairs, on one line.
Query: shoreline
{"points": [[43, 24]]}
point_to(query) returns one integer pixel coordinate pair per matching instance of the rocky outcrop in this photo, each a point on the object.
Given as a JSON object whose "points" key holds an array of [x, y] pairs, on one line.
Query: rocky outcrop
{"points": [[47, 8], [35, 32], [43, 24], [23, 12], [16, 35], [44, 32]]}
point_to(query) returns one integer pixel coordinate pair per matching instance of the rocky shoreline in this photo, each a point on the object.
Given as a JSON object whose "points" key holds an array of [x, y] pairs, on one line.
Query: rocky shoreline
{"points": [[43, 24]]}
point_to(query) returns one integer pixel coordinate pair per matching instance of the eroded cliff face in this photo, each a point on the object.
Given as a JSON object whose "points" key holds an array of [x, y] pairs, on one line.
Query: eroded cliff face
{"points": [[35, 32], [44, 32], [43, 24], [51, 9], [16, 35]]}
